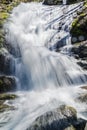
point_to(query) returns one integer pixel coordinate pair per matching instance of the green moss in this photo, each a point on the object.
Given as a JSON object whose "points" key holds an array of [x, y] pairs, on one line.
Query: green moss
{"points": [[9, 8], [3, 15], [85, 3], [74, 23]]}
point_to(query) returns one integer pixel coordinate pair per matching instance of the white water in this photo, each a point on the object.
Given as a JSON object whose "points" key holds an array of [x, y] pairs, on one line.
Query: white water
{"points": [[50, 78]]}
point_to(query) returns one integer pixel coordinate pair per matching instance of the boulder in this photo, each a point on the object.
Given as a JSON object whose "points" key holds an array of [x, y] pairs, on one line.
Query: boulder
{"points": [[7, 83], [63, 118]]}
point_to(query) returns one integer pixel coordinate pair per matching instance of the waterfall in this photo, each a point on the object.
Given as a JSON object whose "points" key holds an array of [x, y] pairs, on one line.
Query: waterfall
{"points": [[49, 77], [64, 2], [34, 28]]}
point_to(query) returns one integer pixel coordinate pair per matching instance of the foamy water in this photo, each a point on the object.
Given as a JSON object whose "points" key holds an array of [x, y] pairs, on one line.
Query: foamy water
{"points": [[50, 78]]}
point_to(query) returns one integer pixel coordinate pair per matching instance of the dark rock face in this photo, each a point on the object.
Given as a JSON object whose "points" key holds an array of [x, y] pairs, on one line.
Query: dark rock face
{"points": [[52, 2], [73, 1], [7, 83], [61, 118], [56, 2], [6, 61], [80, 50]]}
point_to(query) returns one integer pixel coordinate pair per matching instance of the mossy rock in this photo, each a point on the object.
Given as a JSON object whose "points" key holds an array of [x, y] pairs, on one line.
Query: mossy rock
{"points": [[3, 15], [7, 96], [79, 25], [3, 98], [3, 107]]}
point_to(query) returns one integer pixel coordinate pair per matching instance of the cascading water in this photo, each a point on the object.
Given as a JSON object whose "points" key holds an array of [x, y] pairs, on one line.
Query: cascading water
{"points": [[37, 30]]}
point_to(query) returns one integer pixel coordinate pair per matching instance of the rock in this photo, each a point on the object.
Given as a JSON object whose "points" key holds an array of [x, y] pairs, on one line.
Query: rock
{"points": [[6, 61], [7, 83], [73, 1], [52, 2], [4, 107], [79, 28], [63, 118], [82, 51], [84, 87], [82, 97], [56, 2], [79, 51], [3, 98], [82, 64]]}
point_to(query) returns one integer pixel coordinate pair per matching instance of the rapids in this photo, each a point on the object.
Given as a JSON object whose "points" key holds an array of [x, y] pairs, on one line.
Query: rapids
{"points": [[46, 78]]}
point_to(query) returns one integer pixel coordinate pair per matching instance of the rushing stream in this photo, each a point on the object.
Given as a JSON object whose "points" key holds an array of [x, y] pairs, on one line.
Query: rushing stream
{"points": [[46, 78]]}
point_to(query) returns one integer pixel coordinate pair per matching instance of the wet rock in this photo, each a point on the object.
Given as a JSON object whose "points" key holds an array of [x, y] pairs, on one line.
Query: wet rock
{"points": [[82, 64], [79, 25], [6, 61], [3, 98], [83, 51], [4, 107], [79, 51], [7, 83], [52, 2], [73, 1], [56, 2], [83, 97], [63, 118], [84, 87]]}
